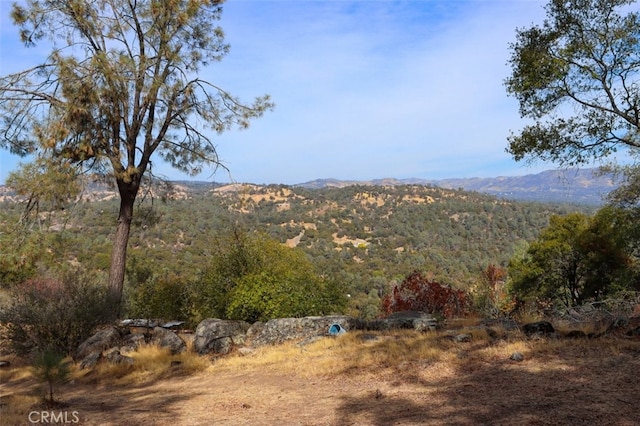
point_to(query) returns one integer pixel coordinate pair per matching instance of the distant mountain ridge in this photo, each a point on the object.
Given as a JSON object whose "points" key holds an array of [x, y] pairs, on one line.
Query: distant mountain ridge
{"points": [[574, 186], [581, 186]]}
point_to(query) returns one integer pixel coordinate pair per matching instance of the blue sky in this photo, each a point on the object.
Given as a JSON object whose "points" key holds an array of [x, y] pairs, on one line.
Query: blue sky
{"points": [[363, 89]]}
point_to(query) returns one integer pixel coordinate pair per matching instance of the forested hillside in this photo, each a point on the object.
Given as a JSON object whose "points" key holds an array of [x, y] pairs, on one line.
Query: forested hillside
{"points": [[364, 237]]}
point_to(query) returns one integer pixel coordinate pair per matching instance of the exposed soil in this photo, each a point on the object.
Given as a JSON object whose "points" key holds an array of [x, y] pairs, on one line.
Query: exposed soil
{"points": [[578, 384]]}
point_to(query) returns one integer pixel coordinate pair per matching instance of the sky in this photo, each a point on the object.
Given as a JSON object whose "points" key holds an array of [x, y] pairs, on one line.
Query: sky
{"points": [[363, 89]]}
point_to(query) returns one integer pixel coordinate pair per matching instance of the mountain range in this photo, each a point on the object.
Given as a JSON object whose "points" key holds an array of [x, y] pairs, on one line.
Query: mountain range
{"points": [[573, 186], [579, 186]]}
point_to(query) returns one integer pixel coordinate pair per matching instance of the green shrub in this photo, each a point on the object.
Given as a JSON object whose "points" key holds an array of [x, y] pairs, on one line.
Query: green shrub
{"points": [[158, 296], [253, 277], [55, 314]]}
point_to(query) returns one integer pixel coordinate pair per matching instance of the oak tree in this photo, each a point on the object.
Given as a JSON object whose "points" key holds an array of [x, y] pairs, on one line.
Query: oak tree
{"points": [[119, 89], [575, 259], [576, 77]]}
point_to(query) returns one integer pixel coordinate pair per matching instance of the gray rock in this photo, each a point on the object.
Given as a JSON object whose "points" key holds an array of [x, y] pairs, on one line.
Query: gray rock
{"points": [[516, 356], [100, 341], [90, 360], [280, 330], [132, 342], [415, 320], [115, 357], [219, 336], [168, 339], [462, 338], [140, 323]]}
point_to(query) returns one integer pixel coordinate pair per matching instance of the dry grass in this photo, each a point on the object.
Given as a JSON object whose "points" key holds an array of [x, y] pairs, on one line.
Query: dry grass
{"points": [[151, 363], [350, 376]]}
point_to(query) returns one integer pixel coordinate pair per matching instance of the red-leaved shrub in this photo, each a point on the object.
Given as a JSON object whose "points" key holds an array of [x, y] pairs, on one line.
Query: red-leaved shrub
{"points": [[417, 293]]}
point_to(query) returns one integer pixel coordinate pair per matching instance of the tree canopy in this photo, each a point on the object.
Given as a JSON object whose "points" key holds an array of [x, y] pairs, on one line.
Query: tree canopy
{"points": [[575, 259], [120, 89], [576, 77]]}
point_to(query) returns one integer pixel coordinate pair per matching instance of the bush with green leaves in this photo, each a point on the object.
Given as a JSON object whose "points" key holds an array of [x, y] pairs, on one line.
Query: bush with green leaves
{"points": [[253, 277], [156, 294], [55, 314]]}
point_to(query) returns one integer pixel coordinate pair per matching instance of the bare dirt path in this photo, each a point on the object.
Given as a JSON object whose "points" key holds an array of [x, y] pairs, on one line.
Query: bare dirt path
{"points": [[564, 385]]}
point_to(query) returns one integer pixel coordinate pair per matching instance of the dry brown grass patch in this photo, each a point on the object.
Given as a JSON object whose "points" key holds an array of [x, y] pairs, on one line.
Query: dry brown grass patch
{"points": [[150, 363]]}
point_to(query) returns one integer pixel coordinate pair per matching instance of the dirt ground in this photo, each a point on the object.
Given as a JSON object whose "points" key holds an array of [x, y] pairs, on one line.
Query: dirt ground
{"points": [[581, 384]]}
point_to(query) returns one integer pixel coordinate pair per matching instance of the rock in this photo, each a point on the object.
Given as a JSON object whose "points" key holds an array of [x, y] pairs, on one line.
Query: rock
{"points": [[172, 324], [100, 341], [539, 328], [219, 336], [90, 360], [516, 356], [140, 323], [280, 330], [244, 351], [168, 339], [132, 342], [462, 338], [416, 320], [115, 357]]}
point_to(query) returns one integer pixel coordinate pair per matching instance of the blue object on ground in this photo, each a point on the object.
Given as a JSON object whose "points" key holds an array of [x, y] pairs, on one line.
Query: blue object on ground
{"points": [[336, 330]]}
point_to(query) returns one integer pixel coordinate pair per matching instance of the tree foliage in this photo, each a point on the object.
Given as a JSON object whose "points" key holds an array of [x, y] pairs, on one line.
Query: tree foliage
{"points": [[575, 259], [119, 89], [576, 77], [46, 187], [418, 293], [253, 277]]}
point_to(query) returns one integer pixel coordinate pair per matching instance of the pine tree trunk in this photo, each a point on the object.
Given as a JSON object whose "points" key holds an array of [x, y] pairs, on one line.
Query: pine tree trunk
{"points": [[128, 192]]}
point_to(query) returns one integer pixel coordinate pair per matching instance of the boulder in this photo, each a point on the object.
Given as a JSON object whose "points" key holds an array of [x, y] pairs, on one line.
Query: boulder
{"points": [[219, 336], [132, 342], [168, 339], [115, 357], [517, 357], [90, 360], [100, 341], [280, 330], [539, 328], [462, 338], [414, 320]]}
